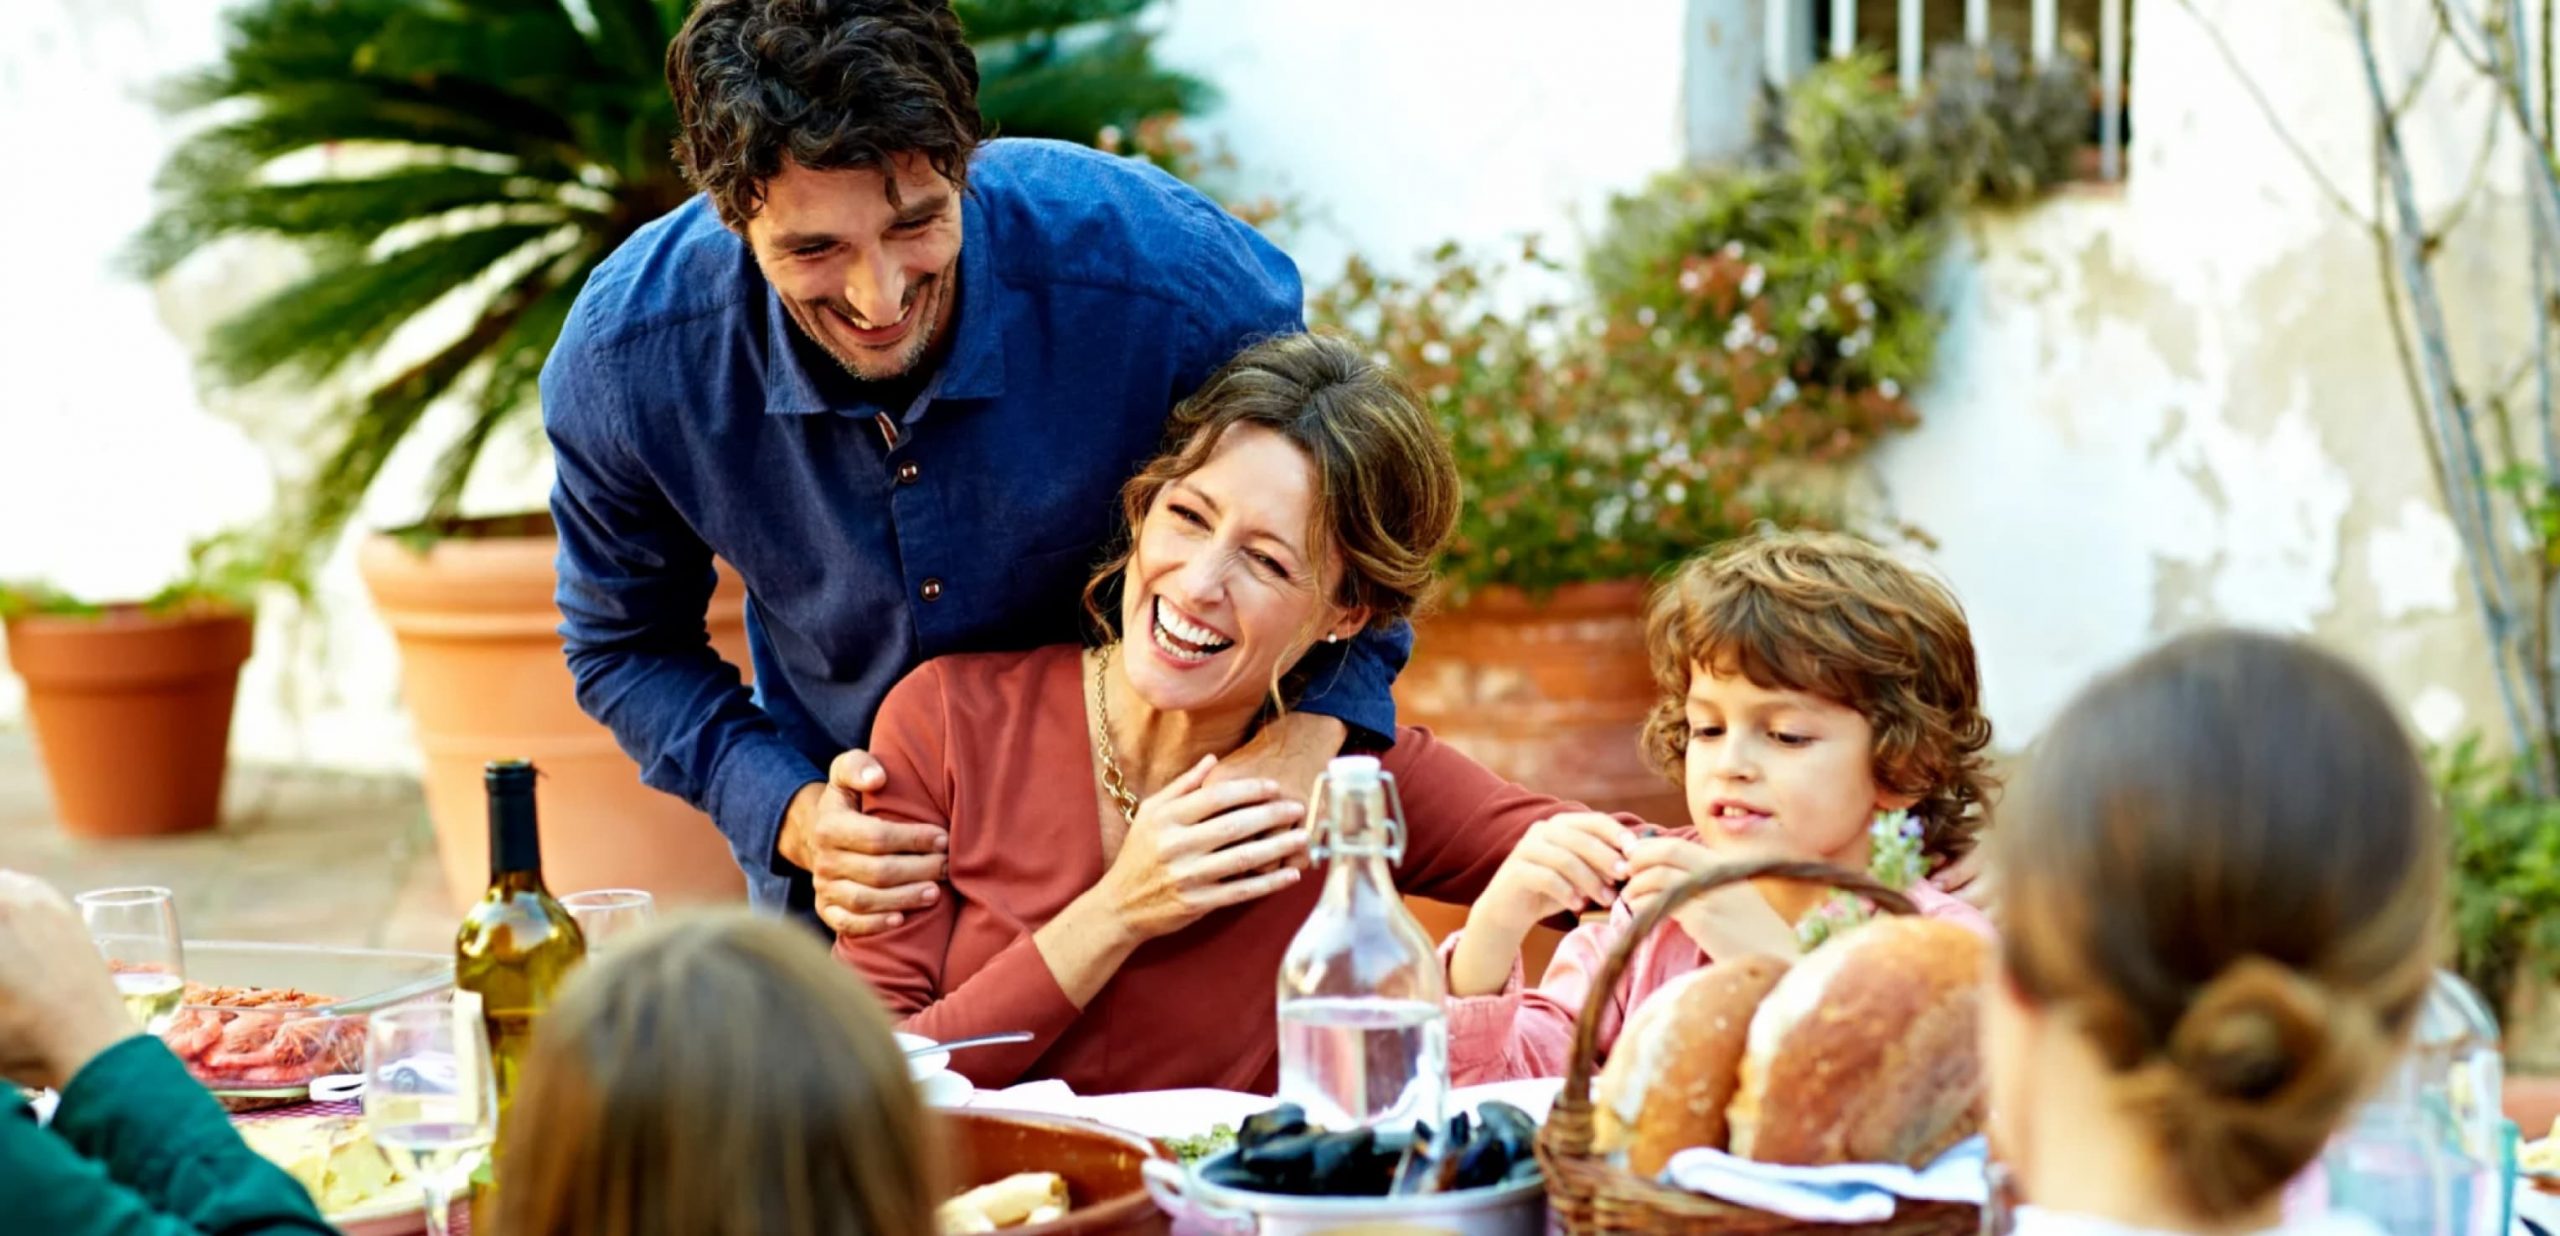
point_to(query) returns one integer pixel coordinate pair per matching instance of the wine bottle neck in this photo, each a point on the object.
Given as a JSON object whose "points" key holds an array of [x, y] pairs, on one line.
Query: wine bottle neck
{"points": [[515, 841]]}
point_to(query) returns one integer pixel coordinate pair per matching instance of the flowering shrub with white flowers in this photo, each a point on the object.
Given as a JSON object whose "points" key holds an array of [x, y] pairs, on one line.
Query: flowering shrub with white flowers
{"points": [[1593, 446], [1744, 318]]}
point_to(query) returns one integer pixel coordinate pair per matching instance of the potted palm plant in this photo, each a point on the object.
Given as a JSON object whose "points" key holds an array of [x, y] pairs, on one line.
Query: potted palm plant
{"points": [[478, 159]]}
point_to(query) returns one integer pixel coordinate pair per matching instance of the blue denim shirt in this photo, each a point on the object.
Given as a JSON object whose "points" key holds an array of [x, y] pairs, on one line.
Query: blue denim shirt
{"points": [[1095, 292]]}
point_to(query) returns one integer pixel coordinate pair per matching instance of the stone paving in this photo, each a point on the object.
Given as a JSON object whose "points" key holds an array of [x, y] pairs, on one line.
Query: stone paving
{"points": [[302, 857]]}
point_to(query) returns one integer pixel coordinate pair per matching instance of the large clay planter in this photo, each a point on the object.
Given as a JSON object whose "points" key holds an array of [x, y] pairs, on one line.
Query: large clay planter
{"points": [[132, 714], [483, 677], [1550, 694]]}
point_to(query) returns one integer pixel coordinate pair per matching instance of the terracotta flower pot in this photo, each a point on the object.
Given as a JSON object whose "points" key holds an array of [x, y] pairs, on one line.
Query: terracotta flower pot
{"points": [[132, 714], [483, 677], [1551, 694], [2533, 1102]]}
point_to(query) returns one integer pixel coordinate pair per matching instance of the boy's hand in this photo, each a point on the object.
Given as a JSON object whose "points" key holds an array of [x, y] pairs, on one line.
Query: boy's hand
{"points": [[1733, 921], [1563, 863], [1970, 879]]}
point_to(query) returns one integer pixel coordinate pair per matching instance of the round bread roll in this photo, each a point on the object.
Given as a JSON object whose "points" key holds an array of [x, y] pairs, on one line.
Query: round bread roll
{"points": [[1866, 1051], [1669, 1079]]}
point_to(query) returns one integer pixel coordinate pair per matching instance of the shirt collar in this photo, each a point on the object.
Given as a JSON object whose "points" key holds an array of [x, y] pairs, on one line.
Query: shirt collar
{"points": [[972, 369]]}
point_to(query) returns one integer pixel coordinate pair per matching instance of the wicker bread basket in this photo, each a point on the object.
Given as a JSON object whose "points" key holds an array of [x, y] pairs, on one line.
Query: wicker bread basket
{"points": [[1587, 1195]]}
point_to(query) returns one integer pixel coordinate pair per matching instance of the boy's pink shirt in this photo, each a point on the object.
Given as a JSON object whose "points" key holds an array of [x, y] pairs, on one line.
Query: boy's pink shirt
{"points": [[1524, 1031]]}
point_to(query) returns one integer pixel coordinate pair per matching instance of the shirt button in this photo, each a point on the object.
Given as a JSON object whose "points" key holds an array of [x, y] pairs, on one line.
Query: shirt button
{"points": [[907, 472], [932, 590]]}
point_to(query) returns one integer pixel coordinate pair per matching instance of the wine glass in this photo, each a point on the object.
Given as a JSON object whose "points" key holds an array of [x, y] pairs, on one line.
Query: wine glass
{"points": [[430, 1099], [609, 913], [136, 929]]}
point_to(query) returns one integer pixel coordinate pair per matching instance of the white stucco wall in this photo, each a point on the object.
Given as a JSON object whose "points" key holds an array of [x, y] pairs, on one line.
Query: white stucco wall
{"points": [[2177, 404]]}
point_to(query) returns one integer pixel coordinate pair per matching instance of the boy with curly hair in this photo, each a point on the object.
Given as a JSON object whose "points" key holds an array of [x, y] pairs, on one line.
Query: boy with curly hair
{"points": [[1819, 701]]}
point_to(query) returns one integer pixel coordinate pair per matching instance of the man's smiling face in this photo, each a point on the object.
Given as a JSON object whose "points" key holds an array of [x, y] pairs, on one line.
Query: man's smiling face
{"points": [[866, 260]]}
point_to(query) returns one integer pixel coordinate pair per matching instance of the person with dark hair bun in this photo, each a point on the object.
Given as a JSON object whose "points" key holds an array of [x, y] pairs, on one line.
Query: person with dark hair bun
{"points": [[895, 373], [2225, 882]]}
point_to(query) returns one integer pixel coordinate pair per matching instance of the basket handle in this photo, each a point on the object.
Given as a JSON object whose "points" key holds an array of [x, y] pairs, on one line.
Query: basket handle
{"points": [[1569, 1127]]}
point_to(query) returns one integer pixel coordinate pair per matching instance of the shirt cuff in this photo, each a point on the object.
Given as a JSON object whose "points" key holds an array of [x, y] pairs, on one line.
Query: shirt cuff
{"points": [[748, 798], [1480, 1026], [1366, 731]]}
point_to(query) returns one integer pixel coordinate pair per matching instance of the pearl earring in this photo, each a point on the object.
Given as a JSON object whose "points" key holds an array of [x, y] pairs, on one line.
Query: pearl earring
{"points": [[1333, 639]]}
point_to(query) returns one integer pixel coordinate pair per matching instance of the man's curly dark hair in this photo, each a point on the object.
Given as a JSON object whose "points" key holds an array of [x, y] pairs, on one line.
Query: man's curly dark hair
{"points": [[827, 84]]}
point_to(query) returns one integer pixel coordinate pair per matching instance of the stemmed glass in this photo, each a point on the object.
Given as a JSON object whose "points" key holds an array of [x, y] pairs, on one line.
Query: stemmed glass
{"points": [[136, 929], [606, 914], [430, 1098]]}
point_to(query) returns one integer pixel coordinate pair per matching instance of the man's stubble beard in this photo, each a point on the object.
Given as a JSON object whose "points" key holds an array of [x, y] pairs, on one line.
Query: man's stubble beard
{"points": [[918, 343]]}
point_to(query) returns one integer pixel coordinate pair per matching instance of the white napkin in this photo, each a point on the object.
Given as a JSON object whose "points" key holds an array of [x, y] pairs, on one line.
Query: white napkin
{"points": [[1848, 1193]]}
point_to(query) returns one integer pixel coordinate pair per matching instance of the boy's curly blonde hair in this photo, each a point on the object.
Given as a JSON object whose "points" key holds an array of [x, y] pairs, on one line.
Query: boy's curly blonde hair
{"points": [[1834, 616]]}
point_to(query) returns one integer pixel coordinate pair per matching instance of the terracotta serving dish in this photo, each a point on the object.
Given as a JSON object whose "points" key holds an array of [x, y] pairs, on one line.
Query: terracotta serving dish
{"points": [[1100, 1163]]}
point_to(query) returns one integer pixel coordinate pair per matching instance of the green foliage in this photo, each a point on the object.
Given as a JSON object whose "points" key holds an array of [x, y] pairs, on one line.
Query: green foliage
{"points": [[486, 155], [223, 571], [1595, 447], [1745, 322], [2000, 129], [1071, 68], [2506, 873]]}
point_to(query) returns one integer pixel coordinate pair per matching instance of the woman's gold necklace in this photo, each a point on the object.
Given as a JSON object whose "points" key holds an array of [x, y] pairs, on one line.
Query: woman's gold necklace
{"points": [[1114, 782]]}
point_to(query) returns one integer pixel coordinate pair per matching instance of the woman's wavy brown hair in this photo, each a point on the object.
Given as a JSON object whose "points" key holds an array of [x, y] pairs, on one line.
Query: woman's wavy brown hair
{"points": [[2224, 865], [1387, 488], [1833, 616], [827, 84], [718, 1076]]}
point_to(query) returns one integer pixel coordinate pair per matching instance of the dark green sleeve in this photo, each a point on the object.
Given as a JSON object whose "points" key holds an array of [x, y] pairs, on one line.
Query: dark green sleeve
{"points": [[138, 1147]]}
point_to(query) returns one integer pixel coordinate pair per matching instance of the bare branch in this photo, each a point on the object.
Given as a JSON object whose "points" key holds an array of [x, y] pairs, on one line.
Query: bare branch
{"points": [[2436, 39], [2474, 183], [2461, 474], [2267, 108]]}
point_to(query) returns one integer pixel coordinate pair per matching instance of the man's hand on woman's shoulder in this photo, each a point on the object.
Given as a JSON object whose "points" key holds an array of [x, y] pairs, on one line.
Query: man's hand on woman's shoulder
{"points": [[869, 873]]}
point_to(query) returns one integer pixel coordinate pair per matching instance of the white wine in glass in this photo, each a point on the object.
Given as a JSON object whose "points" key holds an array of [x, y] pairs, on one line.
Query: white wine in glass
{"points": [[430, 1100], [151, 999], [136, 930]]}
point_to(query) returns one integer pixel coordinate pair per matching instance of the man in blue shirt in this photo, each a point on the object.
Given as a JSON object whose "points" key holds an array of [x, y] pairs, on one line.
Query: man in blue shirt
{"points": [[896, 376]]}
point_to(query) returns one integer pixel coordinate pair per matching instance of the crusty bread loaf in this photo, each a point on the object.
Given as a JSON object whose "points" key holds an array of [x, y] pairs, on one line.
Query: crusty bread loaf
{"points": [[1676, 1064], [1866, 1052]]}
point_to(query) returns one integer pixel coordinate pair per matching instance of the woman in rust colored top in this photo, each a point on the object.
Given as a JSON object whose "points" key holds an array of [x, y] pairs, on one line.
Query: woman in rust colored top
{"points": [[1104, 893]]}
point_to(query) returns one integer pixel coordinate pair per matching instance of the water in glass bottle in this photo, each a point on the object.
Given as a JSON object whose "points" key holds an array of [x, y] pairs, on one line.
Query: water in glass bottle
{"points": [[1364, 1036]]}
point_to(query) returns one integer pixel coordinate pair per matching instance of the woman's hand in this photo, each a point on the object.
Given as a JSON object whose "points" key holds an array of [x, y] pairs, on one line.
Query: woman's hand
{"points": [[1198, 847], [1736, 920], [1563, 863]]}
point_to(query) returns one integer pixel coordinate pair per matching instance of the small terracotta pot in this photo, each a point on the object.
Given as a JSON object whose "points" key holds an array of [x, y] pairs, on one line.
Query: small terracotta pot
{"points": [[132, 714], [1551, 694], [483, 677]]}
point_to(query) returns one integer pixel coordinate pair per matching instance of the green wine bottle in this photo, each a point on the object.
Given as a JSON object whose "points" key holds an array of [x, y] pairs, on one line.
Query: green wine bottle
{"points": [[518, 944]]}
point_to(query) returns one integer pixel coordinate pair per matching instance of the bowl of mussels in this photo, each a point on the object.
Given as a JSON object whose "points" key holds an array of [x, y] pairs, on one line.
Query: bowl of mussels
{"points": [[1475, 1174]]}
